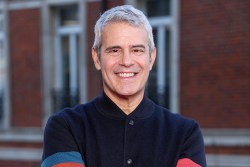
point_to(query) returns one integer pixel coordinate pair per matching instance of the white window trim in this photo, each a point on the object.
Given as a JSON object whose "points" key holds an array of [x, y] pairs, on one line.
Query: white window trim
{"points": [[24, 5], [160, 58], [69, 30], [226, 137], [72, 32], [83, 64], [20, 154], [174, 59], [34, 135], [173, 24], [161, 21], [217, 160], [62, 2], [38, 4]]}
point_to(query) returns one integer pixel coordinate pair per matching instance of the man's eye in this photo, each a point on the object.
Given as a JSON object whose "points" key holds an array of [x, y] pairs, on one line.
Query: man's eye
{"points": [[113, 51], [138, 51]]}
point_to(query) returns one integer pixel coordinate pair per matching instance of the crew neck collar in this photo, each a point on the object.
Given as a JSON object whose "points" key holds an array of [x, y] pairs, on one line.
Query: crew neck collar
{"points": [[107, 107]]}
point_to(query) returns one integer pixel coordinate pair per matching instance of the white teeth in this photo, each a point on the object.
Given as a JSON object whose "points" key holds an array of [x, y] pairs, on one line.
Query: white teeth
{"points": [[126, 74]]}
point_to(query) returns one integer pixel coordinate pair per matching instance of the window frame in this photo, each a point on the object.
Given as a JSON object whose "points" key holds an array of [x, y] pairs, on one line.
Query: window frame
{"points": [[171, 22], [49, 37], [73, 33]]}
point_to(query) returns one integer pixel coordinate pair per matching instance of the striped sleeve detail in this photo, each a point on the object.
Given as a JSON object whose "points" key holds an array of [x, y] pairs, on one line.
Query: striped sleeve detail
{"points": [[63, 159], [69, 164], [186, 162]]}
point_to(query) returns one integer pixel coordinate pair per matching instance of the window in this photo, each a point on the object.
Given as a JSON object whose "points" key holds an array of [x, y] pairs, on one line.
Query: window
{"points": [[64, 61], [2, 68], [1, 21], [158, 83], [66, 68], [162, 86]]}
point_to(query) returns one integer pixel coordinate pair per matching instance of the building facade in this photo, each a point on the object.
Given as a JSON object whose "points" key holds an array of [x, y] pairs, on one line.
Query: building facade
{"points": [[202, 69]]}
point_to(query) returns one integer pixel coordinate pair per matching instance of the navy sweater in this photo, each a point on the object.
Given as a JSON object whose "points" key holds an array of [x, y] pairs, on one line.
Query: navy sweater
{"points": [[99, 134]]}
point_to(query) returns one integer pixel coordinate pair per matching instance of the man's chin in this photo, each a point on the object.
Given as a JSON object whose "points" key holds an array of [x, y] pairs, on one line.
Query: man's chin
{"points": [[129, 93]]}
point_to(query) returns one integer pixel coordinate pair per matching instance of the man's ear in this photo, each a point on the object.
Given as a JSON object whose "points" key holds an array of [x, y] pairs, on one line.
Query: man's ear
{"points": [[96, 59], [152, 58]]}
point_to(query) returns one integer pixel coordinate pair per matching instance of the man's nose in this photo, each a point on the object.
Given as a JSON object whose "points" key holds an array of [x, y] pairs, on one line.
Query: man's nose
{"points": [[127, 59]]}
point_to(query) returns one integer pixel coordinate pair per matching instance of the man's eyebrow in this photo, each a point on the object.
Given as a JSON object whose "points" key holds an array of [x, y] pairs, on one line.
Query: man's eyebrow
{"points": [[112, 47], [138, 46], [119, 47]]}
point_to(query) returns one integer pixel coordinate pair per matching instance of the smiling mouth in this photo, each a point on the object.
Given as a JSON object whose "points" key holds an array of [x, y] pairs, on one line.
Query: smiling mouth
{"points": [[126, 75]]}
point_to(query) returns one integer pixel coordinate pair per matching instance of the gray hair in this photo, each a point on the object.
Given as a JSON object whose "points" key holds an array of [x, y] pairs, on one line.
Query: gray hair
{"points": [[125, 13]]}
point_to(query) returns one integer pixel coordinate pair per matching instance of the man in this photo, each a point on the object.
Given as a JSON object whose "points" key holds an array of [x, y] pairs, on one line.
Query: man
{"points": [[122, 127]]}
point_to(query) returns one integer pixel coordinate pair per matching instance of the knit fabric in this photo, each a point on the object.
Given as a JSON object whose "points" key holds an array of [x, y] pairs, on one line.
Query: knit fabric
{"points": [[100, 134]]}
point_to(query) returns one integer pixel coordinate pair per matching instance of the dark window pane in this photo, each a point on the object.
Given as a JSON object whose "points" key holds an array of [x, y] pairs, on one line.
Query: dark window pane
{"points": [[158, 8], [152, 89], [66, 97], [1, 21], [68, 16], [167, 76], [1, 105]]}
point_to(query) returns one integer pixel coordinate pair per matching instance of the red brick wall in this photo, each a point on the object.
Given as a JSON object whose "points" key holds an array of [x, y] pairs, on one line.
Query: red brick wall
{"points": [[25, 67], [215, 62], [235, 150], [19, 164], [94, 77]]}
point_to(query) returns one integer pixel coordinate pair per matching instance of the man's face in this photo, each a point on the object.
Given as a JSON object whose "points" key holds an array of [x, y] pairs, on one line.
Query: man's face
{"points": [[125, 61]]}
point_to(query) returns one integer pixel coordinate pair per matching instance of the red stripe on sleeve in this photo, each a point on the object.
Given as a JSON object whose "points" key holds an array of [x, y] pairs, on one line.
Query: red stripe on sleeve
{"points": [[186, 162], [69, 164]]}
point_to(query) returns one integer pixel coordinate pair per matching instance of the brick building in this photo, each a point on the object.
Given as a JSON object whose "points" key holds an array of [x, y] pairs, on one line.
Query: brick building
{"points": [[202, 69]]}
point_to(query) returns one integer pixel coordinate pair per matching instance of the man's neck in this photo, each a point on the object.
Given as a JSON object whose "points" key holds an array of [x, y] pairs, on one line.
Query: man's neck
{"points": [[126, 103]]}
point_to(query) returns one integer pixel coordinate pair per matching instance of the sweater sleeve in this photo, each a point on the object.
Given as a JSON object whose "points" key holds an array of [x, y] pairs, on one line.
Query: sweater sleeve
{"points": [[192, 150], [60, 149]]}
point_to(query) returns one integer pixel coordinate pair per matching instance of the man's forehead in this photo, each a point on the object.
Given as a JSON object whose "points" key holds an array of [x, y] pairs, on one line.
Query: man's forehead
{"points": [[124, 35], [118, 25]]}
